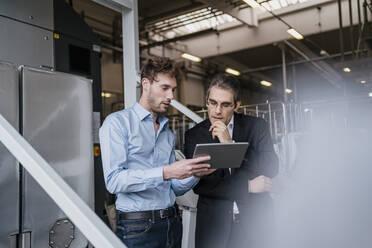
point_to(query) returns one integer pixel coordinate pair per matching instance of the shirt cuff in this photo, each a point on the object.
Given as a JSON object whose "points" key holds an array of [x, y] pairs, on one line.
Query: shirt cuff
{"points": [[157, 173], [190, 181], [197, 179]]}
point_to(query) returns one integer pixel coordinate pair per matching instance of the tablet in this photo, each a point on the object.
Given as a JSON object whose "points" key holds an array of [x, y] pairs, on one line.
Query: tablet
{"points": [[223, 155]]}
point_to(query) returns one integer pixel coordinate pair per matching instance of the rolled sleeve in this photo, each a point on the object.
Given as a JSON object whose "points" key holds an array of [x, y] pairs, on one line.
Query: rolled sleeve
{"points": [[180, 187]]}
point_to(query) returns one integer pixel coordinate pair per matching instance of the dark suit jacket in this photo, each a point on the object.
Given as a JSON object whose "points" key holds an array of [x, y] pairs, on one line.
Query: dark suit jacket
{"points": [[219, 190]]}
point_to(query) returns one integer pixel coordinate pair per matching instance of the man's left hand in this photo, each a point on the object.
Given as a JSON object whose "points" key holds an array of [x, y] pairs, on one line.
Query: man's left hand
{"points": [[219, 130], [260, 184]]}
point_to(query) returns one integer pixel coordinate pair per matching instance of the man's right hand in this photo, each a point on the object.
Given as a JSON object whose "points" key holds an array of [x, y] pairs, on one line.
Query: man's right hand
{"points": [[260, 184], [204, 173], [186, 168]]}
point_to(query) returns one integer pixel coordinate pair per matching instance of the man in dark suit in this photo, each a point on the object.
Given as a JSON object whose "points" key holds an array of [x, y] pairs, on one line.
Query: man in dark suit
{"points": [[234, 207]]}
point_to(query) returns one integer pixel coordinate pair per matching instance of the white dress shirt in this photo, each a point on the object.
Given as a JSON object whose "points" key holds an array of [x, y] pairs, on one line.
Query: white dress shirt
{"points": [[230, 128]]}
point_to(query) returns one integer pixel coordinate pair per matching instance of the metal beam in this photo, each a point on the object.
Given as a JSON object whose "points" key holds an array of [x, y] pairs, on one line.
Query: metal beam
{"points": [[327, 71], [277, 66], [116, 5], [173, 13], [186, 111], [295, 8], [341, 36], [179, 38], [71, 204], [246, 15], [304, 17], [128, 4], [109, 4], [130, 55], [227, 61], [284, 71]]}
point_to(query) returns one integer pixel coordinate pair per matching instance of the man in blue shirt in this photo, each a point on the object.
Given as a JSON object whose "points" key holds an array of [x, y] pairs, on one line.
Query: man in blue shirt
{"points": [[139, 164]]}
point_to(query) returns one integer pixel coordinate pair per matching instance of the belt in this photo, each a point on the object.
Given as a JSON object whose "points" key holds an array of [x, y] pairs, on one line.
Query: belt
{"points": [[151, 214]]}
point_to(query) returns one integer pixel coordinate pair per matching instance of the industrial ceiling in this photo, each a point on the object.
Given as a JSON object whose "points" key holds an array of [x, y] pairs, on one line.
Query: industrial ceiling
{"points": [[251, 40]]}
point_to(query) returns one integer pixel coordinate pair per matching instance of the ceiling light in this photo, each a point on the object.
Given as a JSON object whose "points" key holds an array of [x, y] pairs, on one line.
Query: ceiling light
{"points": [[266, 83], [103, 94], [252, 3], [295, 34], [170, 34], [232, 71], [324, 53], [363, 81], [289, 91], [370, 94], [347, 69], [306, 110], [191, 57]]}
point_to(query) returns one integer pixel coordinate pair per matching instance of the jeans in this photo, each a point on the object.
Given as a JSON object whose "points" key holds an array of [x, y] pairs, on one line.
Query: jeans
{"points": [[148, 233]]}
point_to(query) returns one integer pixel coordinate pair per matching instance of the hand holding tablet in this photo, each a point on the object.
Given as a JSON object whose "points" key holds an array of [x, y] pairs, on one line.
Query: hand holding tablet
{"points": [[223, 155]]}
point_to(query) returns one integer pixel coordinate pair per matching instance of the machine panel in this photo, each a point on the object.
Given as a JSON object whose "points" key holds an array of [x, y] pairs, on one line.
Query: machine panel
{"points": [[36, 12], [9, 178], [57, 121], [25, 44]]}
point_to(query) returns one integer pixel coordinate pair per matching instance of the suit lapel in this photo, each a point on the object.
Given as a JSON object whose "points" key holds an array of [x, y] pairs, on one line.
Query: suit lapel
{"points": [[206, 137], [238, 132]]}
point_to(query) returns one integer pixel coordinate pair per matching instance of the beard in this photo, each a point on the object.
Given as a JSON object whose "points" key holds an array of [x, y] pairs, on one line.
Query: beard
{"points": [[155, 105]]}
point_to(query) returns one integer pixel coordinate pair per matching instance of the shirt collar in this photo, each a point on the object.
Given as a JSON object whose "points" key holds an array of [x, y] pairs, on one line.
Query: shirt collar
{"points": [[143, 114], [140, 111], [231, 123]]}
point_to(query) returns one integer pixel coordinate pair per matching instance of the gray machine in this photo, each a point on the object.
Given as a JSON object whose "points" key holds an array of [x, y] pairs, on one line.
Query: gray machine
{"points": [[9, 176], [53, 111], [56, 119]]}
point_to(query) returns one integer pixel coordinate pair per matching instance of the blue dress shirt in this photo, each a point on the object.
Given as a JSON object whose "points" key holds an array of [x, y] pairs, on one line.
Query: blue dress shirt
{"points": [[133, 158]]}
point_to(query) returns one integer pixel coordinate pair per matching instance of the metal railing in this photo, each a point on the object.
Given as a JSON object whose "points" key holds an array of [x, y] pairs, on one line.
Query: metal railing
{"points": [[94, 229], [352, 112], [282, 119], [275, 113]]}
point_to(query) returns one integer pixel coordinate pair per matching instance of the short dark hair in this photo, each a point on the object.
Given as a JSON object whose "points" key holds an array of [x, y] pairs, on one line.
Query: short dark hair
{"points": [[157, 65], [225, 82]]}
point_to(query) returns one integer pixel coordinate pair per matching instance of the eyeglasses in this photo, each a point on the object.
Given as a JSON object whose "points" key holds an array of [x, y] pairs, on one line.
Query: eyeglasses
{"points": [[224, 105]]}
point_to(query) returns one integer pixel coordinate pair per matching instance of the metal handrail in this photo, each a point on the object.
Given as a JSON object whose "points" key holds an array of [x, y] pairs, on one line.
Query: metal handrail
{"points": [[253, 106], [186, 111], [94, 229]]}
